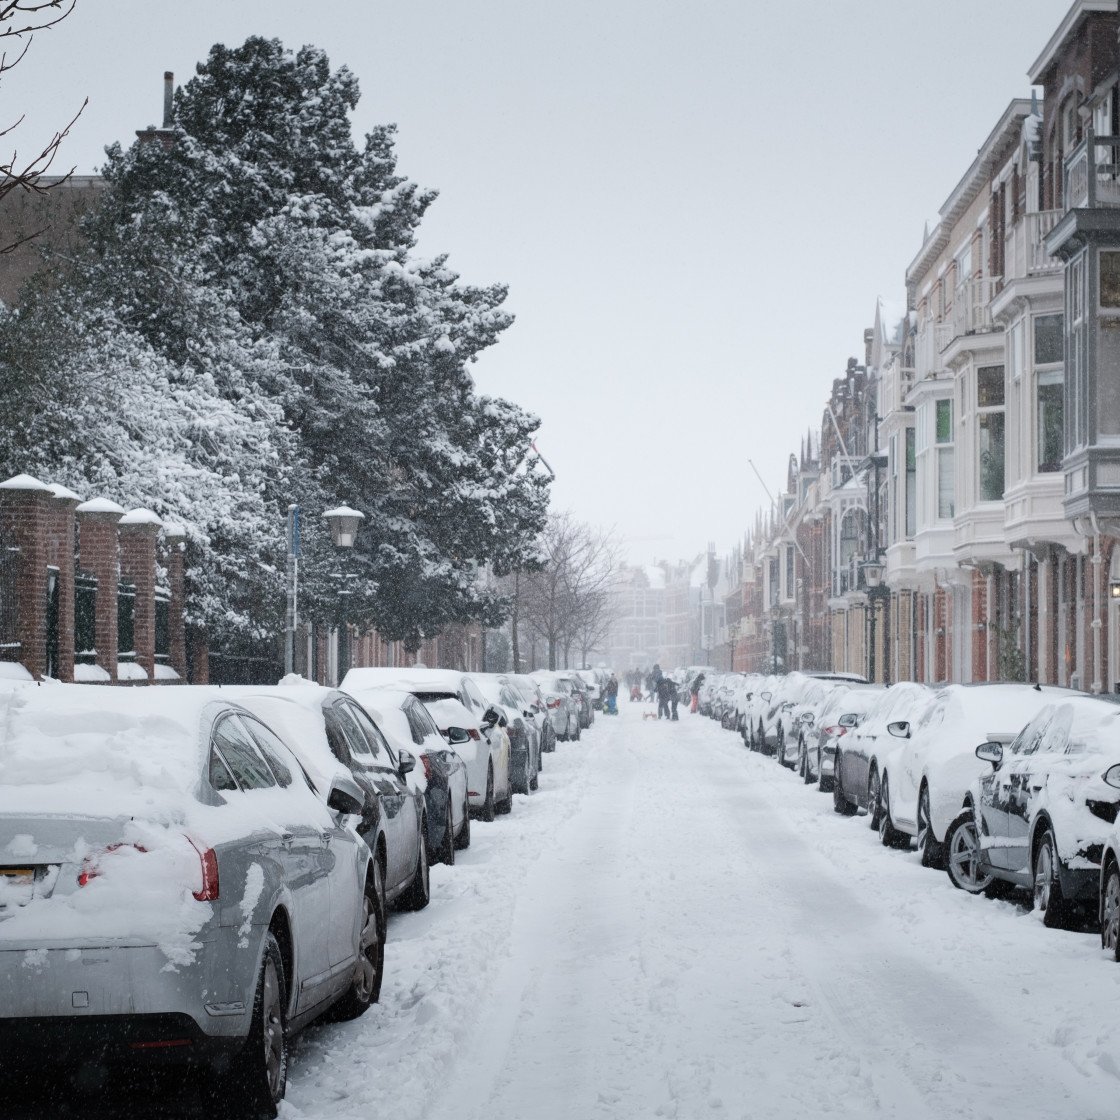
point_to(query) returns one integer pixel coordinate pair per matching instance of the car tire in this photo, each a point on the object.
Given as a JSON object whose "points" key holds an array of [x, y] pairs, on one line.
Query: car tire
{"points": [[486, 813], [889, 836], [530, 775], [1047, 885], [254, 1084], [840, 802], [419, 892], [1110, 912], [806, 773], [579, 732], [962, 853], [365, 985], [933, 852], [447, 855], [463, 840], [874, 792]]}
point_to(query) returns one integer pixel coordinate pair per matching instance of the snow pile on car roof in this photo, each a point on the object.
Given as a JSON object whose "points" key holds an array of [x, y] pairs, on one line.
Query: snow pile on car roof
{"points": [[109, 751]]}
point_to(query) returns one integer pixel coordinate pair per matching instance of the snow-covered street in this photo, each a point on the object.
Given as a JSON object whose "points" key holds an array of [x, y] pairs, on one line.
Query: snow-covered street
{"points": [[673, 926]]}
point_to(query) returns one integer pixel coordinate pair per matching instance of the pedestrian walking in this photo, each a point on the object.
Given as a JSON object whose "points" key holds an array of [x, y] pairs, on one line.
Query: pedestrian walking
{"points": [[674, 691], [664, 691], [612, 696]]}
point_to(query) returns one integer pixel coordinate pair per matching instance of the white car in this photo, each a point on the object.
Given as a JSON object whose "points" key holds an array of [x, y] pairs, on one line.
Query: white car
{"points": [[453, 700], [925, 779]]}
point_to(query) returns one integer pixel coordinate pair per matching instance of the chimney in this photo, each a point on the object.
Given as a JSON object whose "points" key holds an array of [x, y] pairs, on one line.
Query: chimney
{"points": [[168, 94]]}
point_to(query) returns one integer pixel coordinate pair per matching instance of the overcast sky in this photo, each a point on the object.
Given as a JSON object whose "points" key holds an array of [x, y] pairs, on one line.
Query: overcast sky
{"points": [[695, 203]]}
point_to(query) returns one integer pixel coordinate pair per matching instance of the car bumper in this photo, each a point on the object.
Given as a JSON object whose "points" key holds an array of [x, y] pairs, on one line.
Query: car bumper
{"points": [[68, 985]]}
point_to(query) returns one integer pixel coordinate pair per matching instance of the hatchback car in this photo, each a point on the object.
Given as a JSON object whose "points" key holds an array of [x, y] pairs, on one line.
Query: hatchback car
{"points": [[172, 888]]}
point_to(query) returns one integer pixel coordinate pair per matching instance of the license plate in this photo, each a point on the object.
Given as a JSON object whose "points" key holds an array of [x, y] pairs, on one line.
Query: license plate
{"points": [[17, 874]]}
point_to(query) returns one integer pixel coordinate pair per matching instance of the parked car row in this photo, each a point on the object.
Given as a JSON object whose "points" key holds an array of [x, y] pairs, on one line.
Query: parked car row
{"points": [[1005, 786], [192, 875]]}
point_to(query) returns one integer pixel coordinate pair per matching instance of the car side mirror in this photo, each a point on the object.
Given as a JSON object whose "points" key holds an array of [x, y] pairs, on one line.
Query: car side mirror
{"points": [[343, 800], [900, 728], [1112, 776], [490, 717], [406, 763], [808, 717], [849, 719], [990, 752], [766, 697], [456, 736]]}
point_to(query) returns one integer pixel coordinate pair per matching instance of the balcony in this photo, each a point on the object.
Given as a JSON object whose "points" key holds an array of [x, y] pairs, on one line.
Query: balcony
{"points": [[972, 308], [928, 344], [1025, 246], [1092, 173]]}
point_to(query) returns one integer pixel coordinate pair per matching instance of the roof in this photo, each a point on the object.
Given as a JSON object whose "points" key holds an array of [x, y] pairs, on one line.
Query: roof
{"points": [[1079, 11]]}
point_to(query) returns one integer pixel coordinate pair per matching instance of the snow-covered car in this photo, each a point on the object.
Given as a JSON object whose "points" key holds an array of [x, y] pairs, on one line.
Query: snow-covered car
{"points": [[173, 889], [524, 739], [582, 696], [595, 682], [324, 726], [841, 713], [1041, 817], [408, 725], [453, 700], [798, 721], [925, 779], [534, 707], [563, 705], [856, 768]]}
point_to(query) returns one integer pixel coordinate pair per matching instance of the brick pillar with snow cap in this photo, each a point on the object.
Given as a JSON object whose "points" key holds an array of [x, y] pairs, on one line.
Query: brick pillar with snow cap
{"points": [[139, 534], [99, 556], [26, 514], [61, 546], [175, 543]]}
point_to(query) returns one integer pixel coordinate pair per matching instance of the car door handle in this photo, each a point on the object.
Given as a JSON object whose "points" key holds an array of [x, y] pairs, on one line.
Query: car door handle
{"points": [[324, 839], [286, 841]]}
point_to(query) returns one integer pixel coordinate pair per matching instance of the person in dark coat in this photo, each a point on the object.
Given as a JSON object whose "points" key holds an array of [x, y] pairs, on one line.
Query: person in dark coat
{"points": [[674, 692], [612, 695], [664, 693]]}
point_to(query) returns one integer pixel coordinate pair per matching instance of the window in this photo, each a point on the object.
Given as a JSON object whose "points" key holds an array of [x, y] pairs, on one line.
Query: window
{"points": [[1110, 278], [789, 572], [379, 747], [241, 755], [276, 754], [1049, 390], [220, 777], [943, 437], [911, 484], [990, 428]]}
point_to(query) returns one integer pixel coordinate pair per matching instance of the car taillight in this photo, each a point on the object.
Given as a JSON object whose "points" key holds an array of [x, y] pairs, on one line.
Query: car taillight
{"points": [[473, 733], [427, 763], [91, 865], [835, 732], [554, 703], [209, 860]]}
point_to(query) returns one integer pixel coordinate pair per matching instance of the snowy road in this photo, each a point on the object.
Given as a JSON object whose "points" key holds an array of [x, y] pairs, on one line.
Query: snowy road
{"points": [[675, 927]]}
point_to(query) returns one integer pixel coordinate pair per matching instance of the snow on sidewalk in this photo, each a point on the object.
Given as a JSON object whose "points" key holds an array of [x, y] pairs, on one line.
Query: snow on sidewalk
{"points": [[673, 926]]}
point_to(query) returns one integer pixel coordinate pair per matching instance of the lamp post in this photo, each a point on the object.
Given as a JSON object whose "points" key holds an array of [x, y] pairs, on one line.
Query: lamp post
{"points": [[876, 593], [775, 619], [343, 523], [291, 616]]}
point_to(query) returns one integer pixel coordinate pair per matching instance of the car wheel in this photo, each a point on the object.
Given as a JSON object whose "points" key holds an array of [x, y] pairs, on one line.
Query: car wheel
{"points": [[486, 813], [254, 1084], [419, 892], [889, 836], [824, 784], [873, 807], [463, 840], [963, 855], [933, 853], [530, 775], [806, 773], [447, 855], [1110, 913], [780, 749], [1047, 886], [840, 803], [578, 733], [365, 985]]}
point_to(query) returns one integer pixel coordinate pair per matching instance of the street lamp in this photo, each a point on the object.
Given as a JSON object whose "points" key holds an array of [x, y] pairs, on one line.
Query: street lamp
{"points": [[876, 591], [343, 523]]}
